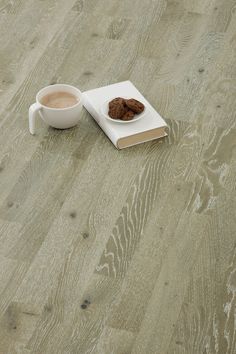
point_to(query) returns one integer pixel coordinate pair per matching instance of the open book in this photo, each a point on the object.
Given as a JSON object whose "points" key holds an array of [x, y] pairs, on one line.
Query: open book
{"points": [[149, 127]]}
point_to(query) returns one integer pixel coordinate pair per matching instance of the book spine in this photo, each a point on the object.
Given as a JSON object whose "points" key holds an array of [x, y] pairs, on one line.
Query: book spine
{"points": [[100, 121]]}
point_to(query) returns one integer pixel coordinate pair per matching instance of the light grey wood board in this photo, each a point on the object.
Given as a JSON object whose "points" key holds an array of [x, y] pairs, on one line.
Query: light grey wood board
{"points": [[207, 313]]}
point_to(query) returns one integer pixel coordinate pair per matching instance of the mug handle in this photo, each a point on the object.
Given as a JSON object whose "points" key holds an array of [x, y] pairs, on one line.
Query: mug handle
{"points": [[34, 108]]}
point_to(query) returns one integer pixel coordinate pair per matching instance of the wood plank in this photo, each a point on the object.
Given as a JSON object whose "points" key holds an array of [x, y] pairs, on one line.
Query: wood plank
{"points": [[145, 267], [114, 341], [17, 325], [206, 320], [9, 234], [190, 80], [11, 275], [21, 48], [165, 302], [86, 324], [219, 101]]}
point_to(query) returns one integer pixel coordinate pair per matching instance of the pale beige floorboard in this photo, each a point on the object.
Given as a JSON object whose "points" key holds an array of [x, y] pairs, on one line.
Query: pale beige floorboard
{"points": [[30, 27], [167, 297], [219, 99], [114, 341], [206, 320], [148, 259]]}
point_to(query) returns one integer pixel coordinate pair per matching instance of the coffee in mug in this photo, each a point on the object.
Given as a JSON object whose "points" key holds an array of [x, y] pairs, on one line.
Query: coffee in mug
{"points": [[60, 99], [59, 105]]}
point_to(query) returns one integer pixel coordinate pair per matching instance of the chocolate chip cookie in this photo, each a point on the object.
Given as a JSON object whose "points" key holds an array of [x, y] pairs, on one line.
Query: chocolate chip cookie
{"points": [[129, 115], [134, 105], [117, 112], [117, 100], [117, 108]]}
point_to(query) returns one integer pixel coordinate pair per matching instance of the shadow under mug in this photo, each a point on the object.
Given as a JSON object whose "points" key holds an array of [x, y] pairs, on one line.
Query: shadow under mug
{"points": [[60, 118]]}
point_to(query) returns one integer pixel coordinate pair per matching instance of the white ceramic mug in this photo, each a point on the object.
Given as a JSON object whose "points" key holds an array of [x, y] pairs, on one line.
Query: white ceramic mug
{"points": [[60, 118]]}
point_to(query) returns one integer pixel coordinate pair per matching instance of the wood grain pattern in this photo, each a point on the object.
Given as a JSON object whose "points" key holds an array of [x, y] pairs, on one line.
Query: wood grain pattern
{"points": [[206, 321], [119, 252]]}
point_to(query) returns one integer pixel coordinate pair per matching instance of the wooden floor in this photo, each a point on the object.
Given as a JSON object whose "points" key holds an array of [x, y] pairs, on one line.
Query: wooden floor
{"points": [[119, 252]]}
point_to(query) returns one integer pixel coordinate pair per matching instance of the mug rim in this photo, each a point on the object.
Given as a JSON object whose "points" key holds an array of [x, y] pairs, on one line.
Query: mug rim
{"points": [[59, 109]]}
